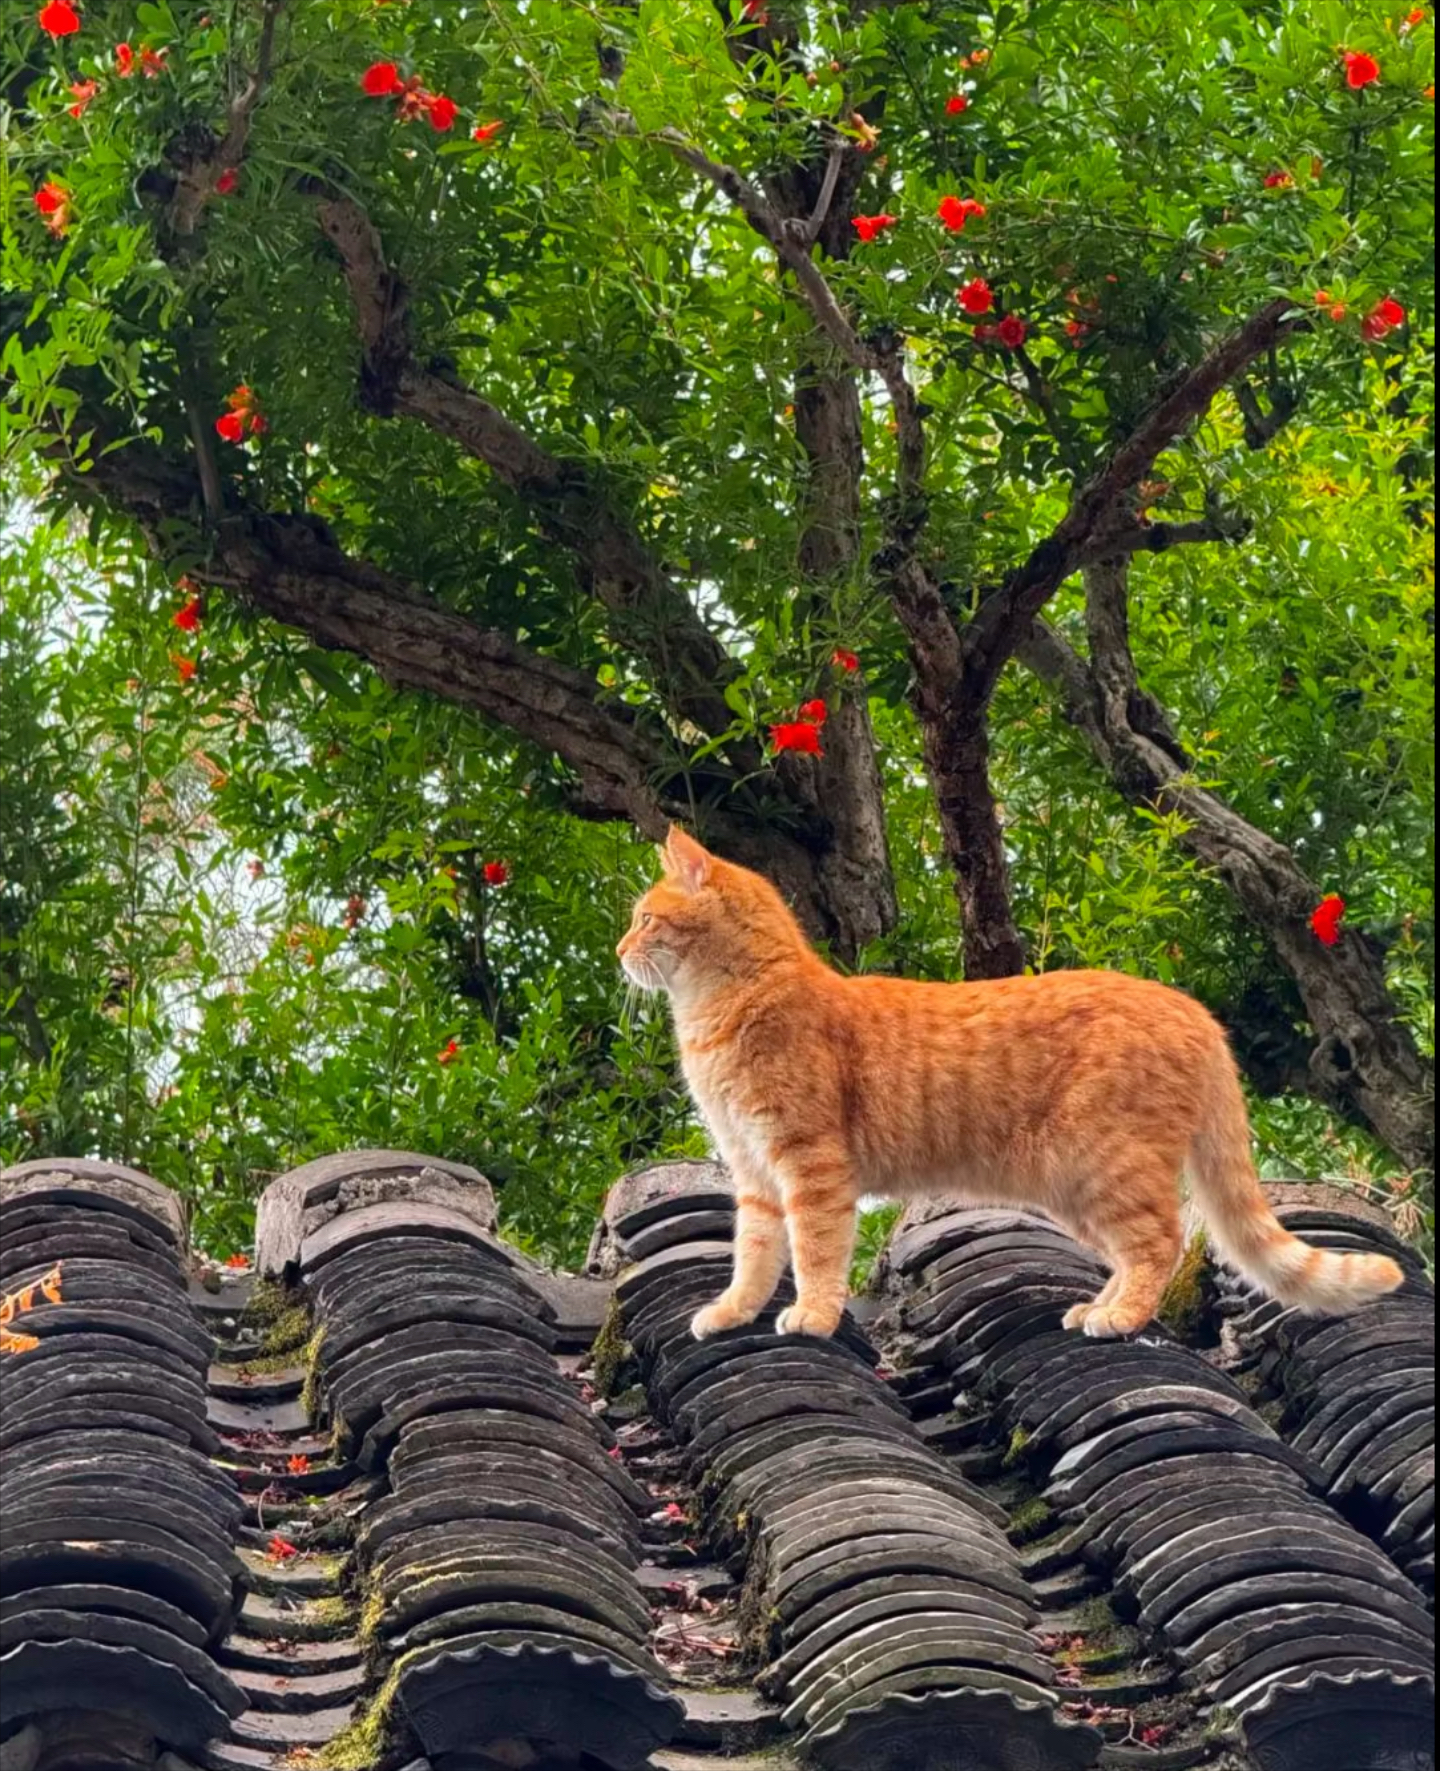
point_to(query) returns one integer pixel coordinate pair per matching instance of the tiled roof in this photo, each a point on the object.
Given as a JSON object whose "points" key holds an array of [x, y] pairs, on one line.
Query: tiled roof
{"points": [[398, 1512], [1156, 1477]]}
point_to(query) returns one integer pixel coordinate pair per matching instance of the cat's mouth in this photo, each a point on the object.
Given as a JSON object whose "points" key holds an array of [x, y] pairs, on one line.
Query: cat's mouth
{"points": [[642, 971]]}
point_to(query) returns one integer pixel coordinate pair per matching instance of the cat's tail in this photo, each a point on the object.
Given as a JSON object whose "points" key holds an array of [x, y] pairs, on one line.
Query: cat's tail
{"points": [[1247, 1234]]}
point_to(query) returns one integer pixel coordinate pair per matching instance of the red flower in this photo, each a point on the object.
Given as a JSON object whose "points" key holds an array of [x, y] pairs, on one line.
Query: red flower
{"points": [[124, 60], [188, 618], [450, 1053], [799, 735], [1279, 181], [1429, 93], [152, 62], [82, 91], [53, 202], [1326, 918], [847, 661], [184, 667], [496, 873], [1416, 18], [237, 1260], [280, 1550], [675, 1513], [869, 226], [816, 712], [1339, 311], [1323, 298], [1382, 319], [956, 211], [956, 105], [976, 296], [58, 20], [978, 57], [1361, 70], [485, 133], [243, 417], [1012, 332], [443, 111], [1075, 330], [299, 1465], [380, 79], [226, 183]]}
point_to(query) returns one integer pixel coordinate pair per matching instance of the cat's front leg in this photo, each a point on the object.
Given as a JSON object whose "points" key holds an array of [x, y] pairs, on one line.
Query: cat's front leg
{"points": [[760, 1252]]}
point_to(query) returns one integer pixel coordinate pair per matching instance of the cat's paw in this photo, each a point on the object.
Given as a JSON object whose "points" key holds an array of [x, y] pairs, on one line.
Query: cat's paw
{"points": [[1104, 1322], [716, 1318], [808, 1319], [1076, 1315]]}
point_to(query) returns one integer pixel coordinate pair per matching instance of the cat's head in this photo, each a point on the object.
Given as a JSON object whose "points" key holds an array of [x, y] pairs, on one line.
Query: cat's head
{"points": [[704, 922]]}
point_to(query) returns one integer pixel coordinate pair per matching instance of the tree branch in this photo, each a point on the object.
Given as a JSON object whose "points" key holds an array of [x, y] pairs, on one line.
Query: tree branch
{"points": [[791, 239], [289, 567], [200, 170], [847, 788], [956, 669], [1364, 1062], [1005, 616], [654, 617], [1262, 427], [820, 214], [624, 765], [1161, 537]]}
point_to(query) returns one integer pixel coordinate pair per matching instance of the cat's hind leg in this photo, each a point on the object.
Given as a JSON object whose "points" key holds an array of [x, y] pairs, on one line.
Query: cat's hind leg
{"points": [[1139, 1232], [1076, 1315], [820, 1194]]}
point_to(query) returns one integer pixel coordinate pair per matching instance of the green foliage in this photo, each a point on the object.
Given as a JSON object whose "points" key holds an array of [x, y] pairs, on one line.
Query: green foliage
{"points": [[873, 1233], [216, 1027], [242, 917]]}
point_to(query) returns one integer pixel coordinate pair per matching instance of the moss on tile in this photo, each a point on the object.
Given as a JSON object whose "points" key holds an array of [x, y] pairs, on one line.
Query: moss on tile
{"points": [[611, 1350], [362, 1745], [310, 1390], [1030, 1519], [1185, 1307], [1015, 1451]]}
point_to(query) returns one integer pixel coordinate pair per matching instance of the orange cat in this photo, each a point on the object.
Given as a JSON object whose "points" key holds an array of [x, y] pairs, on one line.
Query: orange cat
{"points": [[1083, 1093]]}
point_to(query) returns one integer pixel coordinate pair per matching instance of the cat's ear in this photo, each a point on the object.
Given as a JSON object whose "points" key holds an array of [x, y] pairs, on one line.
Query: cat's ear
{"points": [[685, 861]]}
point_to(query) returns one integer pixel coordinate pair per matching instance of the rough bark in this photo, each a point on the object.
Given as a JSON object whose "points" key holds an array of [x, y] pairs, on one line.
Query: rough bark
{"points": [[1003, 618], [1364, 1062], [654, 617], [624, 764], [842, 803], [199, 156], [847, 787], [957, 665]]}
